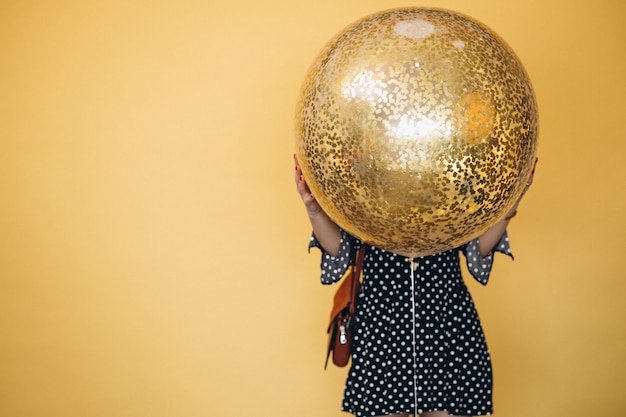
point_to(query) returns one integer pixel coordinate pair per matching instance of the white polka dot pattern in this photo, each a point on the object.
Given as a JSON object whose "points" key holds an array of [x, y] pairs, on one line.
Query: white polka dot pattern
{"points": [[453, 363]]}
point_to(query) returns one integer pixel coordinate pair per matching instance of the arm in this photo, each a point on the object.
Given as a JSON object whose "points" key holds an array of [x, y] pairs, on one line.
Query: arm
{"points": [[488, 240], [326, 231]]}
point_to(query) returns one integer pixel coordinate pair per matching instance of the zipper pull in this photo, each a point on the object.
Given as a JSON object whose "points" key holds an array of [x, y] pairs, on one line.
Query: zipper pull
{"points": [[343, 337]]}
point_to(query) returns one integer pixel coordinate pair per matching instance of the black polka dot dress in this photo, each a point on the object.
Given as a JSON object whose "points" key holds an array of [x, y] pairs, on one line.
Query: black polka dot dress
{"points": [[450, 367]]}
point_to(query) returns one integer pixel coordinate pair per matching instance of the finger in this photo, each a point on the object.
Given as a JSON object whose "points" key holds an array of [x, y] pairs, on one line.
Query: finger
{"points": [[298, 170], [300, 184], [532, 173], [297, 174], [303, 188], [295, 160], [308, 198], [531, 177]]}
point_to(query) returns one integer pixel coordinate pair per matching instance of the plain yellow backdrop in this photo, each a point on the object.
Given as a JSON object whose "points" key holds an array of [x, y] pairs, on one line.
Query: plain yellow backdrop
{"points": [[153, 253]]}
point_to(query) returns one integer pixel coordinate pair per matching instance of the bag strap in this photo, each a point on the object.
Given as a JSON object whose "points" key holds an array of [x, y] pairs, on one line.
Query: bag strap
{"points": [[346, 294], [356, 278]]}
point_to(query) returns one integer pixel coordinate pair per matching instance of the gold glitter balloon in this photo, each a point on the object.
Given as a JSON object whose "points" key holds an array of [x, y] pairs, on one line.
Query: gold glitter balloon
{"points": [[416, 130]]}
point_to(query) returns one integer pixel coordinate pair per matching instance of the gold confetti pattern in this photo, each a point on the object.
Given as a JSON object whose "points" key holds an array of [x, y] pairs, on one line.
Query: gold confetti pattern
{"points": [[416, 129]]}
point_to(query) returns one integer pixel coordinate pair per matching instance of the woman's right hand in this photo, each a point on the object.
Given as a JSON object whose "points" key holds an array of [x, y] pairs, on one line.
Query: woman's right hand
{"points": [[305, 193], [325, 230]]}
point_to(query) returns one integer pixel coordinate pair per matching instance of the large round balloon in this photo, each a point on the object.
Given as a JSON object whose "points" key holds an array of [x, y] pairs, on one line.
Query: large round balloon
{"points": [[416, 129]]}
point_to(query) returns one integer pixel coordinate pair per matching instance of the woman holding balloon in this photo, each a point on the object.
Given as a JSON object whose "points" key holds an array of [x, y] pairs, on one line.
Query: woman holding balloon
{"points": [[415, 133]]}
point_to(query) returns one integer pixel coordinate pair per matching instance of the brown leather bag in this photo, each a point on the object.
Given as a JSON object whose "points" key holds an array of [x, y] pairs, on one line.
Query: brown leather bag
{"points": [[343, 313]]}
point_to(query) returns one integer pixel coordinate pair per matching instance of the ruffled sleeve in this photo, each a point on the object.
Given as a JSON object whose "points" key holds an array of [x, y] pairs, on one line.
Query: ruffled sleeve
{"points": [[334, 267], [480, 267]]}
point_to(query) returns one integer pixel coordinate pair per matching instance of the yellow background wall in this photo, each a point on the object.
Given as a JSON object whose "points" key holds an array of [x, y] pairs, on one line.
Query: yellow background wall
{"points": [[153, 248]]}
